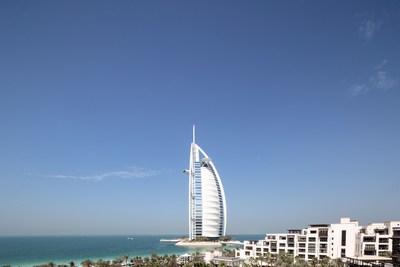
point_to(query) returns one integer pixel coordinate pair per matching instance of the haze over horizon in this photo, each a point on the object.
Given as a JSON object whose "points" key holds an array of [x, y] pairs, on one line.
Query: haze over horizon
{"points": [[296, 102]]}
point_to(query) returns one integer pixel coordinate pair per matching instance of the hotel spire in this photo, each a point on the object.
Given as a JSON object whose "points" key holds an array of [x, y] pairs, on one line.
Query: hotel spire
{"points": [[194, 134]]}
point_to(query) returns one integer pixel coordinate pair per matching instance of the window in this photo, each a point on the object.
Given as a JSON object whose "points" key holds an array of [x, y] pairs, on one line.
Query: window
{"points": [[311, 239], [344, 238], [311, 248]]}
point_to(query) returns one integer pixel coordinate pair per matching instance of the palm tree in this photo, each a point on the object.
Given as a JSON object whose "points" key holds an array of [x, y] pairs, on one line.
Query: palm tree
{"points": [[138, 261], [253, 261], [173, 260], [87, 263], [102, 263], [324, 262], [337, 262], [197, 259], [314, 262], [268, 258], [146, 261], [154, 258], [260, 258], [126, 258], [300, 262]]}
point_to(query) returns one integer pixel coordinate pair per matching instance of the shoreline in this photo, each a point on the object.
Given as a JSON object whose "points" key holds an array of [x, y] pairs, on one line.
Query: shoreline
{"points": [[28, 251], [184, 243]]}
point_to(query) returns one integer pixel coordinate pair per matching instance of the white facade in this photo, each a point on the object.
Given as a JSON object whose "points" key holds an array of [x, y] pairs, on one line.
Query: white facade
{"points": [[207, 204], [375, 239], [340, 240]]}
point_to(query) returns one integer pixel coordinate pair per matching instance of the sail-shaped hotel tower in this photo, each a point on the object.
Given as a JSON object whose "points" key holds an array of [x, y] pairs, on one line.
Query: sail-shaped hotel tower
{"points": [[207, 204]]}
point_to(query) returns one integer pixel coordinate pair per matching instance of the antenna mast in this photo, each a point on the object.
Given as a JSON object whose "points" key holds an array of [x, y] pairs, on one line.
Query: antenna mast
{"points": [[194, 134]]}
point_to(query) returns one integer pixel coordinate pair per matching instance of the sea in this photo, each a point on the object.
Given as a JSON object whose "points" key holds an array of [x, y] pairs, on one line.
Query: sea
{"points": [[35, 250]]}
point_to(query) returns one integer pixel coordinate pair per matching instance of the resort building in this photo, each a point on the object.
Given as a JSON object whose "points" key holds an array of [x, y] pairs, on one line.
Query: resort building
{"points": [[345, 240], [217, 258], [376, 239], [396, 247], [207, 204]]}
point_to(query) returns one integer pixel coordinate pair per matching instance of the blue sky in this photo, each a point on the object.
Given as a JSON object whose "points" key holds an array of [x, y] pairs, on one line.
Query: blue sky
{"points": [[297, 102]]}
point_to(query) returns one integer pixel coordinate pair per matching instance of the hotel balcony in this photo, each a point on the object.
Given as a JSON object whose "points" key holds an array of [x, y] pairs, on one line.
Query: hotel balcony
{"points": [[323, 239], [369, 239], [369, 252], [323, 232], [383, 247], [302, 239], [382, 231]]}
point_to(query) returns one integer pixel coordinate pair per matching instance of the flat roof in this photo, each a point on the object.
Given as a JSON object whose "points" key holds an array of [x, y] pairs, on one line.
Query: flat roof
{"points": [[319, 225]]}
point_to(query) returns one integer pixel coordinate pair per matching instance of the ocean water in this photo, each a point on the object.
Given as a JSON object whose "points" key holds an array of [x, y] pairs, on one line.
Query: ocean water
{"points": [[30, 251]]}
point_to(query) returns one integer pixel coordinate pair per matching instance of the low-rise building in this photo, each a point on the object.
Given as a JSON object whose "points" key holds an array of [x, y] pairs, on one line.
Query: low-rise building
{"points": [[396, 247], [375, 239], [339, 240]]}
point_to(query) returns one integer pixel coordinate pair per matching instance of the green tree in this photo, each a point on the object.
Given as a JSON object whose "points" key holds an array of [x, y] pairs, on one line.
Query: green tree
{"points": [[87, 263], [324, 262], [253, 262], [261, 259], [197, 259], [338, 262], [102, 263], [314, 262], [268, 259], [300, 262]]}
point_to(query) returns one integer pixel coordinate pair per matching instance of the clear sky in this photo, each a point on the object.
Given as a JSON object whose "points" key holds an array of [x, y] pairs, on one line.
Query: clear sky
{"points": [[297, 103]]}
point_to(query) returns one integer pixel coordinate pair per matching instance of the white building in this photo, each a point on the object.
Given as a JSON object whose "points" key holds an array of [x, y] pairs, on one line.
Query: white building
{"points": [[375, 239], [207, 204], [341, 240]]}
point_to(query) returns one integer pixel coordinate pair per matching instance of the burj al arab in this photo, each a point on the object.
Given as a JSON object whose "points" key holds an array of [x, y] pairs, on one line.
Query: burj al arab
{"points": [[207, 204]]}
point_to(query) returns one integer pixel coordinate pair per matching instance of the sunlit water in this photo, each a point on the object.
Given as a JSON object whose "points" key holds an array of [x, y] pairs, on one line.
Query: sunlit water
{"points": [[30, 251]]}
